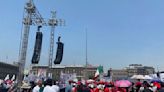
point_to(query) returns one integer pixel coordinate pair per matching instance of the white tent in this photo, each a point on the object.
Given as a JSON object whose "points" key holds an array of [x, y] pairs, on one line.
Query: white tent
{"points": [[133, 77], [147, 77], [137, 77]]}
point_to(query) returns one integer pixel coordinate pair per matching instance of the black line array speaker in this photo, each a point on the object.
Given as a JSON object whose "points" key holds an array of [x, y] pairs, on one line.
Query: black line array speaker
{"points": [[37, 48], [59, 52]]}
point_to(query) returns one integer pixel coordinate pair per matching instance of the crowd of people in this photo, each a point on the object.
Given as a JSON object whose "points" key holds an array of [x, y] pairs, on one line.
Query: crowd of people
{"points": [[50, 85], [112, 87]]}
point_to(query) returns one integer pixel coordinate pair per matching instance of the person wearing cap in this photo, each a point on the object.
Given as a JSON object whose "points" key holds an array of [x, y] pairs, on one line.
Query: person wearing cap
{"points": [[25, 87], [79, 87], [100, 88], [91, 86], [153, 87], [138, 85], [162, 87], [146, 86], [74, 88], [68, 87], [106, 89]]}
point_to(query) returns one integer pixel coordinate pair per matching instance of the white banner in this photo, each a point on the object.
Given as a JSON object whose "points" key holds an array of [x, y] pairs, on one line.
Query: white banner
{"points": [[42, 73], [66, 77]]}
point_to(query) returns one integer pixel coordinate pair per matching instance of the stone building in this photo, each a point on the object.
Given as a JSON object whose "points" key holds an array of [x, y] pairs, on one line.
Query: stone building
{"points": [[118, 74], [80, 71], [8, 69], [138, 69], [132, 69]]}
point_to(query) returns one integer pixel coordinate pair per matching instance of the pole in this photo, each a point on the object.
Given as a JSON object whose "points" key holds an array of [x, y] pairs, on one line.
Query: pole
{"points": [[52, 23], [23, 50], [86, 49]]}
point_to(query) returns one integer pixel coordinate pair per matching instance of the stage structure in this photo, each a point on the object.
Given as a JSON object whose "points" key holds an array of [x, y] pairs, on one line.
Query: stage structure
{"points": [[32, 17]]}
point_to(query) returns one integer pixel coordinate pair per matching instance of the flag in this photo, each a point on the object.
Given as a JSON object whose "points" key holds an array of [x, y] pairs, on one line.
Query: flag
{"points": [[98, 71], [13, 78], [7, 77]]}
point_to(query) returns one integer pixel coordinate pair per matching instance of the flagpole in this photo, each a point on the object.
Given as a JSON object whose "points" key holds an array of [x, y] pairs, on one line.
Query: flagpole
{"points": [[86, 48], [86, 53]]}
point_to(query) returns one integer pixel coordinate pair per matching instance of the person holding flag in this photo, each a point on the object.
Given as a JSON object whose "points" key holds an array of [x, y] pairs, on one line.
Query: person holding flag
{"points": [[99, 71]]}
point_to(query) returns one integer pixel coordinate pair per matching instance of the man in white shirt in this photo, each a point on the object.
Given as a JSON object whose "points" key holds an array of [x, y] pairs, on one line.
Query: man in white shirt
{"points": [[55, 87], [48, 86], [37, 87]]}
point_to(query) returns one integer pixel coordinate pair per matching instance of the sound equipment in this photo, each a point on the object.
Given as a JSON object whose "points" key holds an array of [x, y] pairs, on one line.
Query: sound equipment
{"points": [[37, 48], [59, 52]]}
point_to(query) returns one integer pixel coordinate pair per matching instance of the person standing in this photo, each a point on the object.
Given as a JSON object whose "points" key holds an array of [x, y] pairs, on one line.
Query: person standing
{"points": [[68, 87], [162, 87], [48, 86], [38, 86], [55, 87], [74, 89], [138, 85], [106, 89]]}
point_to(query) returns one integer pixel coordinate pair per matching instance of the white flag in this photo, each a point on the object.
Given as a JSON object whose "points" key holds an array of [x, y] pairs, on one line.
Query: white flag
{"points": [[97, 73], [13, 78], [7, 77]]}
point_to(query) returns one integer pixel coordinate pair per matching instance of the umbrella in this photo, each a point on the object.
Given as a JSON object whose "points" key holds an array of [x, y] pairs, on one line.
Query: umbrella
{"points": [[25, 86], [156, 80], [137, 77], [90, 81], [147, 77], [122, 83], [133, 77], [158, 85]]}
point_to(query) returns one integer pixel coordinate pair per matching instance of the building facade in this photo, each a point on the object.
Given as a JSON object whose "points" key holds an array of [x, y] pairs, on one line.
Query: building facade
{"points": [[118, 74], [8, 69], [138, 69], [132, 69], [80, 71]]}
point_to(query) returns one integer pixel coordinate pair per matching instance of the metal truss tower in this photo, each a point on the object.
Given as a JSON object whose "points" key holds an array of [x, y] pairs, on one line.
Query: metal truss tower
{"points": [[31, 17], [53, 22]]}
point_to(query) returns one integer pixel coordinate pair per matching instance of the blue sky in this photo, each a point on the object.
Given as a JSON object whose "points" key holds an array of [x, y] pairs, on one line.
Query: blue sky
{"points": [[120, 32]]}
